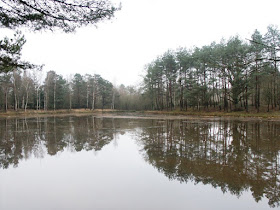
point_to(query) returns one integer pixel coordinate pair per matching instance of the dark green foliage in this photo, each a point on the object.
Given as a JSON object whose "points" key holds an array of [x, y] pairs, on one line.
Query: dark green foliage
{"points": [[10, 53], [61, 90], [51, 14], [20, 90], [6, 87], [79, 91], [230, 75], [45, 14], [105, 91]]}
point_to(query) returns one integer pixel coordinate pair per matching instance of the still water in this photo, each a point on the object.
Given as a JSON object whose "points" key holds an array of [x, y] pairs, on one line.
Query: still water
{"points": [[114, 163]]}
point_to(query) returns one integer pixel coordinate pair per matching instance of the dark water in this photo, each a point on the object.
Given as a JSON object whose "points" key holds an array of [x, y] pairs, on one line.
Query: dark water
{"points": [[110, 163]]}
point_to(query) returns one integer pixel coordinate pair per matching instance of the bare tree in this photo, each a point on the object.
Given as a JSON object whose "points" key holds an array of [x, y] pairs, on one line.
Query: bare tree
{"points": [[70, 89], [16, 79], [37, 81], [26, 83]]}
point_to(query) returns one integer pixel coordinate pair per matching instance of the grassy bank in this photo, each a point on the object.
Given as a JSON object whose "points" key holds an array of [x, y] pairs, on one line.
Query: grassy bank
{"points": [[272, 114], [30, 113], [12, 113]]}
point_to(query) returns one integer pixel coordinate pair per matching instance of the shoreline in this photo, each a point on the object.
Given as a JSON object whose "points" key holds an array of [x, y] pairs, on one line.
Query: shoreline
{"points": [[275, 115]]}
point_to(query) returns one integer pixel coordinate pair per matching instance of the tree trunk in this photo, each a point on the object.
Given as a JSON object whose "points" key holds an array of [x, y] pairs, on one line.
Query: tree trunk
{"points": [[87, 94], [70, 101], [93, 100], [26, 102], [225, 96], [54, 94], [37, 99], [15, 95], [113, 100], [46, 101], [6, 100], [246, 93]]}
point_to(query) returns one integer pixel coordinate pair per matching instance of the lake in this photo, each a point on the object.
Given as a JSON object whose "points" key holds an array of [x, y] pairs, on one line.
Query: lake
{"points": [[90, 162]]}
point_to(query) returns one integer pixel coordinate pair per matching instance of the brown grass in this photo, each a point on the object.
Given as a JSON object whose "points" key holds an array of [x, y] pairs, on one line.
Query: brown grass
{"points": [[64, 112], [272, 114], [30, 113]]}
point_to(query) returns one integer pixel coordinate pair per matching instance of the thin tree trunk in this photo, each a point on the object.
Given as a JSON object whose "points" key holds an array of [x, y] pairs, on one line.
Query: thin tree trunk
{"points": [[23, 102], [46, 101], [70, 101], [93, 100], [113, 100], [15, 95], [246, 93], [26, 102], [6, 100], [54, 94], [37, 99], [87, 94]]}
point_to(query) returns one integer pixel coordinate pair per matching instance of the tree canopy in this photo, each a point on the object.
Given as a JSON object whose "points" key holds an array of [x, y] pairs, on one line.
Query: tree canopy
{"points": [[230, 75], [66, 15], [50, 14], [10, 53]]}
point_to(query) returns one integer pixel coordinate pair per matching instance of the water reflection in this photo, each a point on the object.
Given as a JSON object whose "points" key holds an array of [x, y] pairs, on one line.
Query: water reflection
{"points": [[234, 156], [22, 138]]}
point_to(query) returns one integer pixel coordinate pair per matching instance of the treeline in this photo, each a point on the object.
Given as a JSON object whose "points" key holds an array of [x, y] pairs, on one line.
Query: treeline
{"points": [[23, 86], [22, 90], [231, 75]]}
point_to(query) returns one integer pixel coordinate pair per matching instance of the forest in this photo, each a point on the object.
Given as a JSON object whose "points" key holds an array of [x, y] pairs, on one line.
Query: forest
{"points": [[25, 90], [232, 75]]}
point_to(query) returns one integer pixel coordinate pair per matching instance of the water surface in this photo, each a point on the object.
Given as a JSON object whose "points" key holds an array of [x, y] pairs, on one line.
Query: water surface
{"points": [[109, 163]]}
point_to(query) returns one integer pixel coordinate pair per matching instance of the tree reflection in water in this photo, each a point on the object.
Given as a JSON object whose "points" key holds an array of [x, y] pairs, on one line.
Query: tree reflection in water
{"points": [[22, 138], [231, 155]]}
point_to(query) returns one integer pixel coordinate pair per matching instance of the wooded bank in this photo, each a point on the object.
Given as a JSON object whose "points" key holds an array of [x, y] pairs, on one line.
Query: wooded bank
{"points": [[275, 115], [233, 75]]}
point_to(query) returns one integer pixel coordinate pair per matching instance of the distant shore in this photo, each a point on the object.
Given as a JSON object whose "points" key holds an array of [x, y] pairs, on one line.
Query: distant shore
{"points": [[142, 114]]}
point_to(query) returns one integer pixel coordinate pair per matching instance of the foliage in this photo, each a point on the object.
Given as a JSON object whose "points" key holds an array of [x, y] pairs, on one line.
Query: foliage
{"points": [[66, 15], [23, 90], [232, 75], [50, 14], [229, 75], [10, 53]]}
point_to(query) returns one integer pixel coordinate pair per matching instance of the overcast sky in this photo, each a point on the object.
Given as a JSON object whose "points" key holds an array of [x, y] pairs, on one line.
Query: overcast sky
{"points": [[119, 49]]}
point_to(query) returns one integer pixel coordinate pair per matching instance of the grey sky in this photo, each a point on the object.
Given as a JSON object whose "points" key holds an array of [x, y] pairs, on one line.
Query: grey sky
{"points": [[119, 49]]}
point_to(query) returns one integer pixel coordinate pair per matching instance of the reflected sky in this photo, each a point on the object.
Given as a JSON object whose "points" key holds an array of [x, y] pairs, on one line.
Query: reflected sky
{"points": [[107, 163]]}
